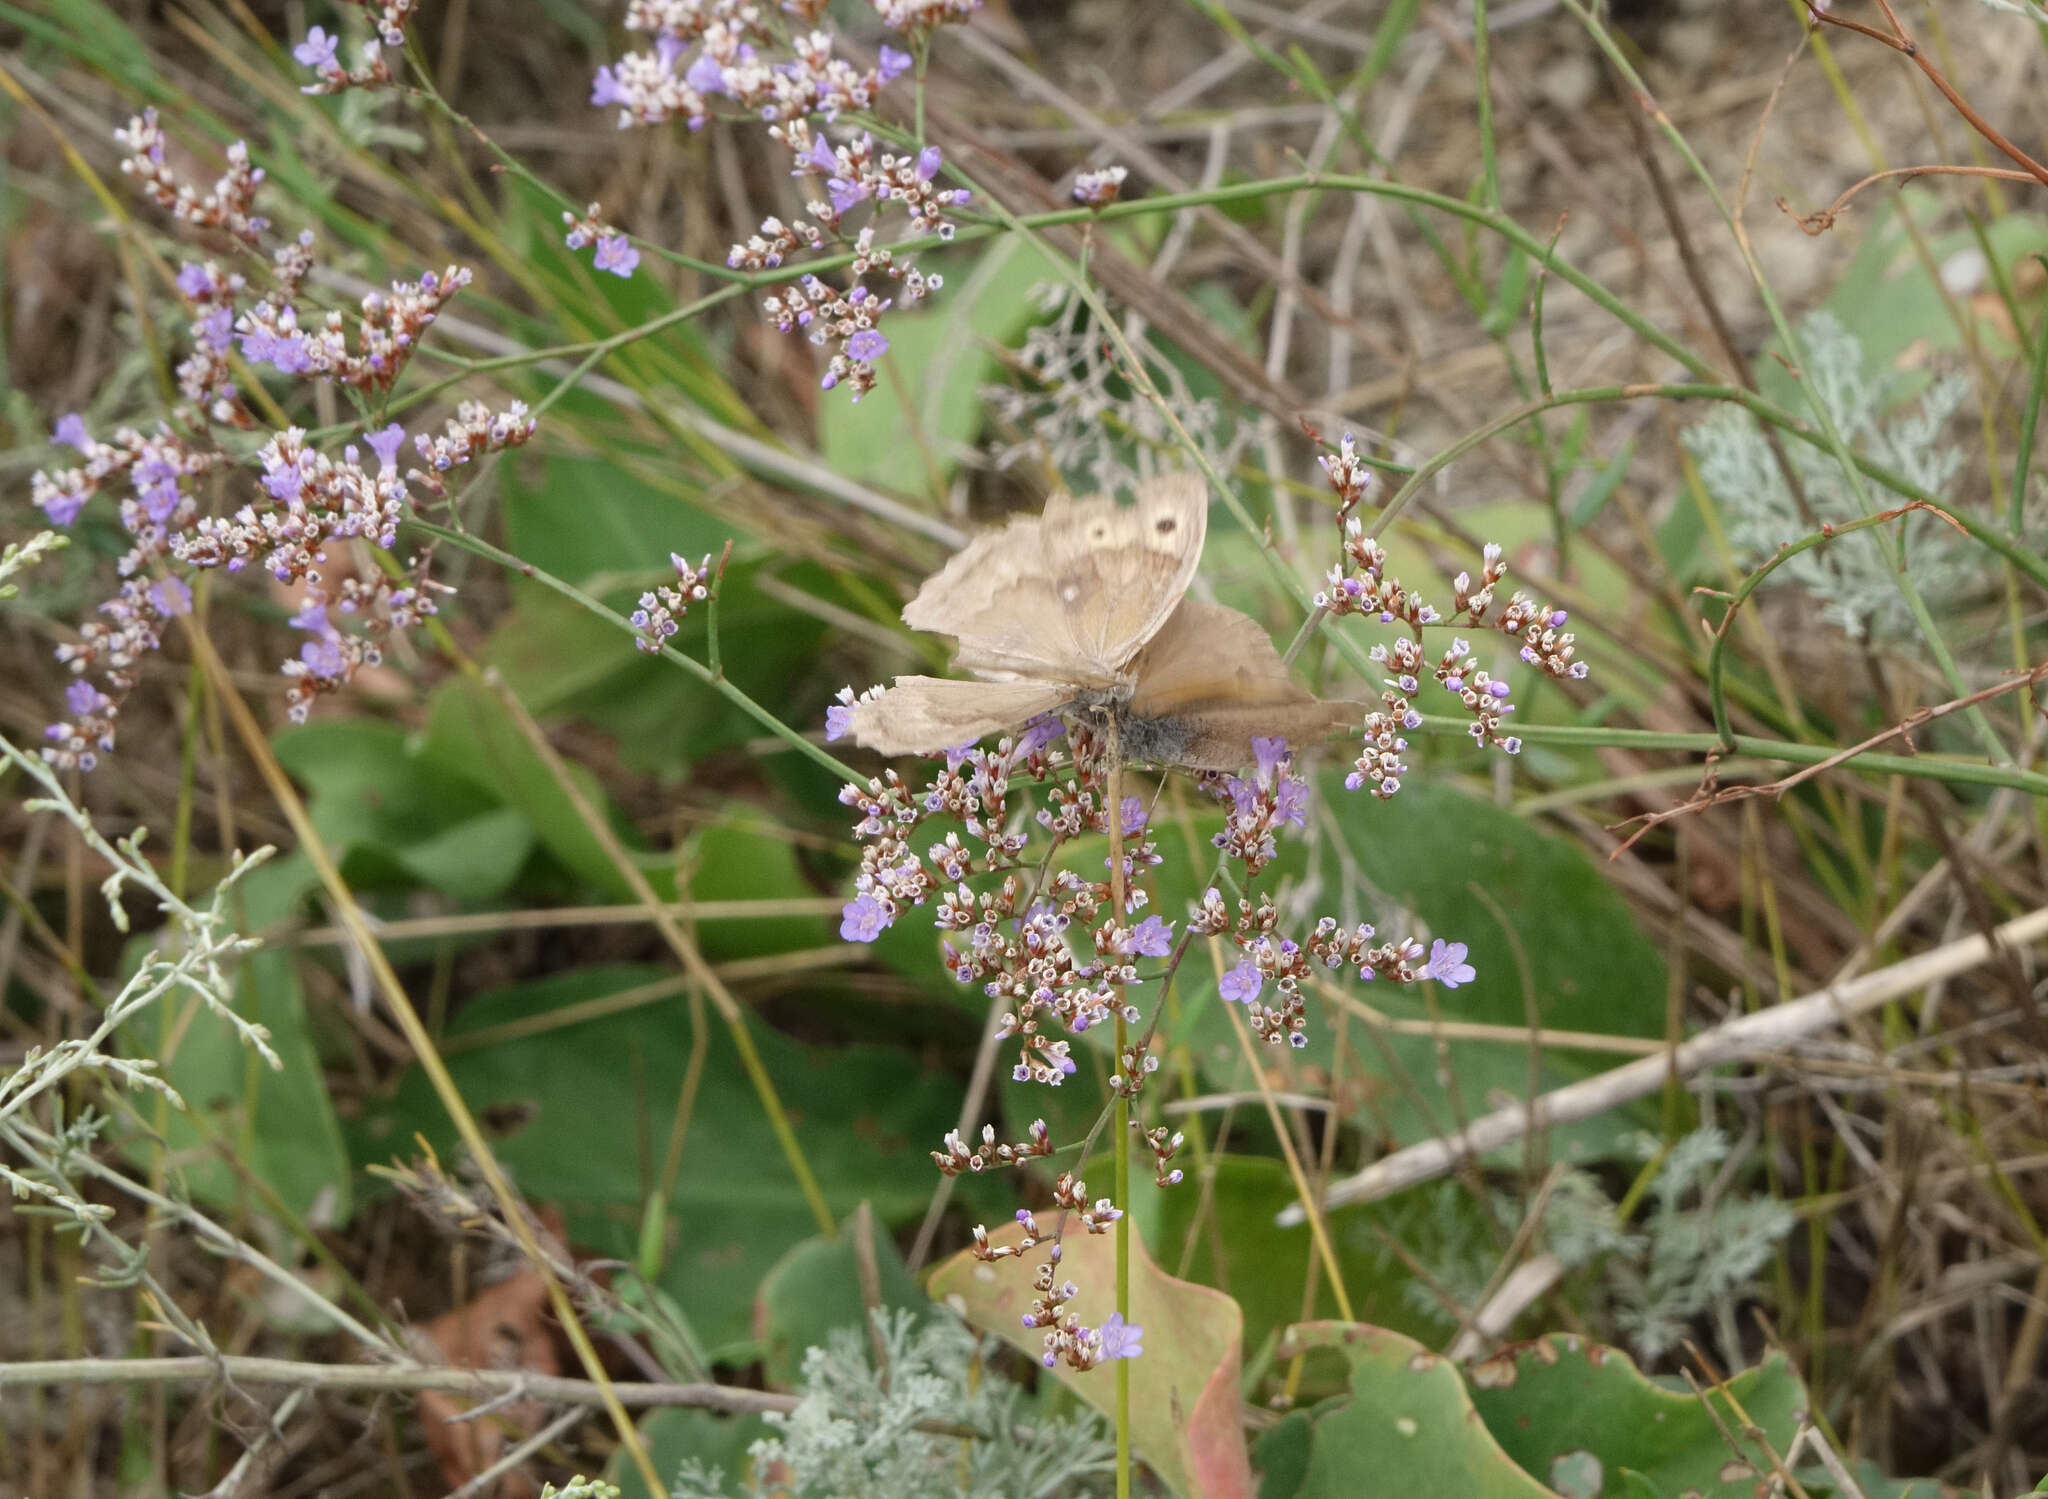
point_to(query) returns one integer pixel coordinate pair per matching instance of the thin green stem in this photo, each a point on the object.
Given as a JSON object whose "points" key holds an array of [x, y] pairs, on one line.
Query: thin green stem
{"points": [[1482, 68], [1717, 656], [1949, 771], [477, 546], [2037, 393]]}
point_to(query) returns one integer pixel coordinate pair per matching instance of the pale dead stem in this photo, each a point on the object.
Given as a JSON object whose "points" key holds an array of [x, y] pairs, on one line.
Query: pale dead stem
{"points": [[241, 1369], [1739, 1040]]}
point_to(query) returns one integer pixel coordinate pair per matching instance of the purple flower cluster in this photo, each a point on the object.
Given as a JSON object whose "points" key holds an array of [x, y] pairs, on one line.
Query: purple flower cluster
{"points": [[228, 207], [1348, 475], [388, 329], [615, 253], [1361, 585], [1099, 188], [1058, 955], [710, 54], [303, 518], [319, 51], [661, 610], [1261, 806]]}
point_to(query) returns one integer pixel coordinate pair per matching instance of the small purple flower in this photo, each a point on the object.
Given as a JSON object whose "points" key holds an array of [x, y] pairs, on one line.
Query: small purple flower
{"points": [[171, 597], [604, 88], [929, 160], [838, 722], [312, 619], [706, 75], [324, 658], [1120, 1338], [386, 444], [845, 192], [1242, 984], [217, 329], [1497, 689], [1151, 938], [821, 155], [1135, 814], [158, 492], [667, 48], [615, 253], [62, 505], [866, 346], [1244, 797], [261, 346], [1447, 964], [1037, 736], [891, 64], [864, 919], [72, 434], [1290, 803], [193, 282], [317, 50], [283, 482], [1271, 754], [83, 698]]}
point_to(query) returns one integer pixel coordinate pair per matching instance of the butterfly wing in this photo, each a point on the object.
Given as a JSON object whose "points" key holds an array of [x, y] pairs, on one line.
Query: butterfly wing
{"points": [[1210, 680], [923, 714], [1119, 572], [1071, 594]]}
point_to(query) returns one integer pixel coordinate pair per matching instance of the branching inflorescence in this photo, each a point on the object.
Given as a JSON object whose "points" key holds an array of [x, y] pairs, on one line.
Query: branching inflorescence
{"points": [[713, 55], [1361, 585], [1049, 944], [324, 527], [1061, 952]]}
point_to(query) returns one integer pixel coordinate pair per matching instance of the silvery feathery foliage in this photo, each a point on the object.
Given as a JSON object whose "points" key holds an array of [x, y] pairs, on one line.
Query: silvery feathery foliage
{"points": [[193, 960], [1579, 1226], [1693, 1250], [855, 1436], [1853, 577], [1702, 1248], [20, 556], [1075, 409]]}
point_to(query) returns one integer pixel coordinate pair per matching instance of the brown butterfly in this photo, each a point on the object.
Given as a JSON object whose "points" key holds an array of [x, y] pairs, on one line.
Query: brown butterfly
{"points": [[1082, 612]]}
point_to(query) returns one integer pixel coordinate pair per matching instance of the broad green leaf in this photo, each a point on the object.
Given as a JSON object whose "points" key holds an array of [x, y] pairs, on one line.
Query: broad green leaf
{"points": [[376, 801], [471, 736], [1406, 1427], [814, 1290], [475, 859], [749, 859], [1184, 1397], [1221, 1232], [1885, 296], [584, 1112], [1560, 1395], [909, 432], [1590, 967], [675, 1436], [586, 518], [1281, 1456]]}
